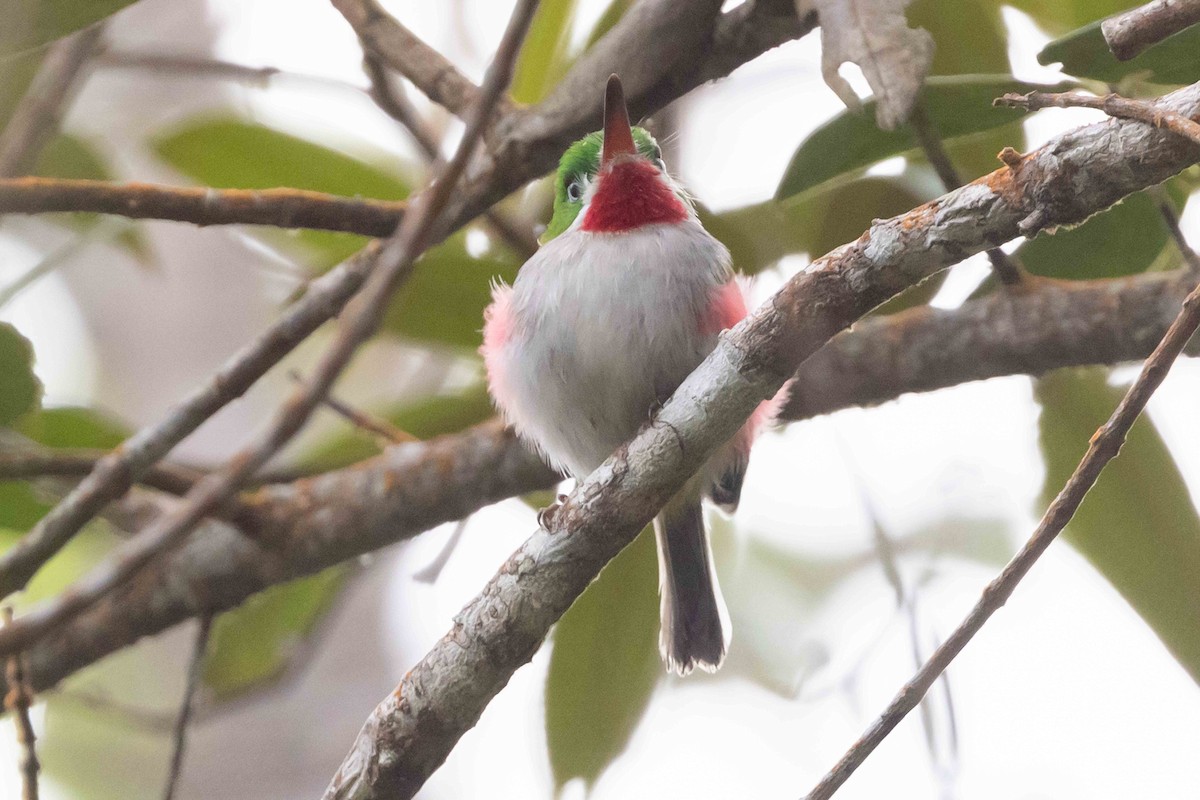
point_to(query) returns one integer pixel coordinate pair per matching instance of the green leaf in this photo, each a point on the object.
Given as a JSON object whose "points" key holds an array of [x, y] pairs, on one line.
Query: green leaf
{"points": [[73, 427], [20, 390], [1137, 526], [1124, 240], [970, 37], [34, 23], [850, 142], [1085, 54], [759, 235], [441, 303], [1060, 16], [604, 665], [424, 419], [257, 642], [544, 57], [20, 508]]}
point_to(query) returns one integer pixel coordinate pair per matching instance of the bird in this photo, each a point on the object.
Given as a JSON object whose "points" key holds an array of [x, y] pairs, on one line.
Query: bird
{"points": [[625, 296]]}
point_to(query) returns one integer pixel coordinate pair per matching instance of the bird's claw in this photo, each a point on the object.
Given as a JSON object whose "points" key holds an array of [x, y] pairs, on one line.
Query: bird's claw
{"points": [[546, 516]]}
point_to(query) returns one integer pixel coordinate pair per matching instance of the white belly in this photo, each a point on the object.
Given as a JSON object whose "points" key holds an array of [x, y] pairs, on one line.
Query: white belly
{"points": [[605, 327]]}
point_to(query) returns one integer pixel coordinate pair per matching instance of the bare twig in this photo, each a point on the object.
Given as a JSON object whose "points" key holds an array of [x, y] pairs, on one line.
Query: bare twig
{"points": [[404, 52], [36, 117], [1007, 269], [391, 101], [413, 729], [1131, 32], [17, 700], [433, 570], [370, 423], [1114, 105], [395, 261], [30, 464], [281, 208], [1103, 447], [1190, 257], [180, 729]]}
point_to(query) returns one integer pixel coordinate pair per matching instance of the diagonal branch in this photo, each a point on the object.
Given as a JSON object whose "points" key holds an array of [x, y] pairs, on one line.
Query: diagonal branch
{"points": [[414, 728], [1104, 446], [35, 119], [1131, 32], [394, 264], [529, 148]]}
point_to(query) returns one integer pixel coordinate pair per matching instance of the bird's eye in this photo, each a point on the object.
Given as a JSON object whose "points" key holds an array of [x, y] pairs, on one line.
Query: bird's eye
{"points": [[575, 190], [656, 157]]}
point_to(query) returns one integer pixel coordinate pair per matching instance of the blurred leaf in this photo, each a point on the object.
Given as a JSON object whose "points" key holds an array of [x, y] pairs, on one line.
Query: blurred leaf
{"points": [[1137, 526], [604, 665], [611, 16], [969, 36], [1085, 54], [442, 302], [1060, 16], [33, 23], [16, 73], [851, 142], [73, 427], [544, 57], [759, 235], [20, 509], [1124, 240], [257, 642], [20, 390], [424, 419]]}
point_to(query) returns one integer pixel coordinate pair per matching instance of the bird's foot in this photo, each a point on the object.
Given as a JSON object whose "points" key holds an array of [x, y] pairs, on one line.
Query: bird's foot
{"points": [[546, 516]]}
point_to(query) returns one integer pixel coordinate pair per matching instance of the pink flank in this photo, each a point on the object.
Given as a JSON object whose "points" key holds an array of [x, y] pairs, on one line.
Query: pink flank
{"points": [[728, 308], [497, 329]]}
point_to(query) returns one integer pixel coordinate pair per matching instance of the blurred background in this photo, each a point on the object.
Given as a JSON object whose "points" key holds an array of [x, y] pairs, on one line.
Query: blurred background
{"points": [[863, 536]]}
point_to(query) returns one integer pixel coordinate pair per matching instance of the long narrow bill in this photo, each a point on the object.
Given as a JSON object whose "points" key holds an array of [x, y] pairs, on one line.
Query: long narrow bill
{"points": [[618, 137]]}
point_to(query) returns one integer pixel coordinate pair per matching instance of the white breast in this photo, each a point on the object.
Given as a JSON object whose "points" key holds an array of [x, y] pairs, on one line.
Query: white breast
{"points": [[605, 326]]}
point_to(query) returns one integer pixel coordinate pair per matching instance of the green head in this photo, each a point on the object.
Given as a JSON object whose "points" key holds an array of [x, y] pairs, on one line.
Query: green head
{"points": [[578, 167]]}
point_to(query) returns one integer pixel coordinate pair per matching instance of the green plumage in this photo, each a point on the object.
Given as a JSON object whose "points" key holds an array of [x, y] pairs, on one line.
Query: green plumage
{"points": [[578, 166]]}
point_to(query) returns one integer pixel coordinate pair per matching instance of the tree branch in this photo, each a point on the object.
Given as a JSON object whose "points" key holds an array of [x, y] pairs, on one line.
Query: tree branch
{"points": [[280, 208], [18, 699], [404, 52], [36, 117], [1111, 104], [414, 728], [1131, 32]]}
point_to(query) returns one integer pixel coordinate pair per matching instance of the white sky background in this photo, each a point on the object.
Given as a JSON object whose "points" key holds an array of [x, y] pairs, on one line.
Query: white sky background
{"points": [[1066, 693]]}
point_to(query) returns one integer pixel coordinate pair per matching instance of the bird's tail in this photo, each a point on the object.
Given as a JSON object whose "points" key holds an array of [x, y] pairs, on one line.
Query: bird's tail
{"points": [[695, 623]]}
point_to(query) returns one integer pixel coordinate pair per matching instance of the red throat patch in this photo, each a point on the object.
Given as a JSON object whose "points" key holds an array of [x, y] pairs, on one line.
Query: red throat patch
{"points": [[631, 194]]}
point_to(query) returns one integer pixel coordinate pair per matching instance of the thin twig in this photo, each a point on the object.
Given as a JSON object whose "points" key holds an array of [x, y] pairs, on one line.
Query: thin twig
{"points": [[1131, 32], [35, 119], [19, 465], [53, 260], [280, 208], [1007, 269], [18, 701], [179, 732], [391, 100], [376, 426], [394, 264], [1103, 447], [1114, 105], [1171, 219], [406, 53], [433, 570]]}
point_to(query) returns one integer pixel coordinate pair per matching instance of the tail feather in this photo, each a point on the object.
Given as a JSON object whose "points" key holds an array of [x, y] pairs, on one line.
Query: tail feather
{"points": [[695, 623]]}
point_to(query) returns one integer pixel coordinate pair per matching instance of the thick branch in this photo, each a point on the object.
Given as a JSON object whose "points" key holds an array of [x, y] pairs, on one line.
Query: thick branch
{"points": [[280, 208], [1131, 32], [414, 728]]}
